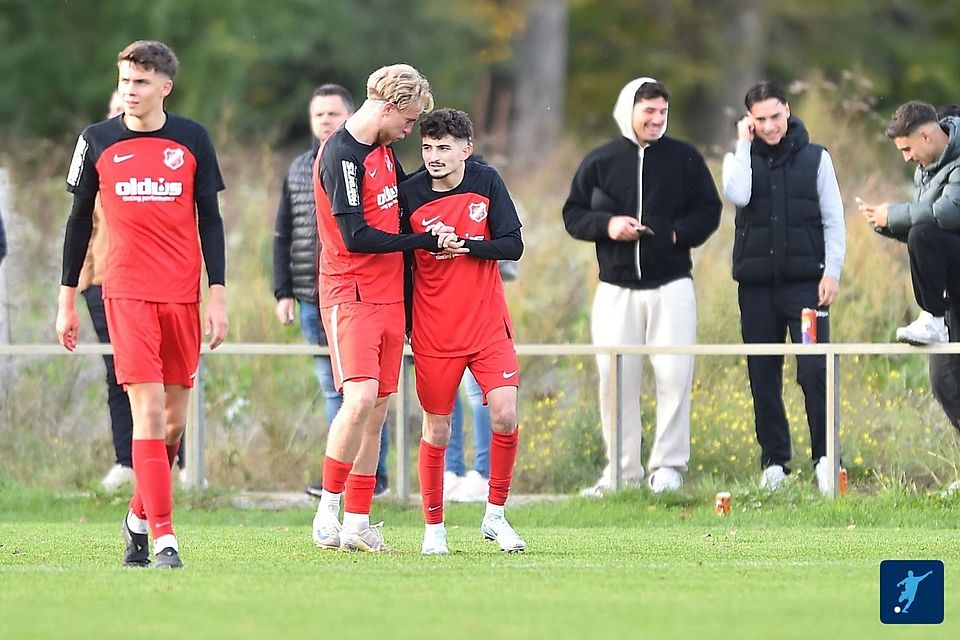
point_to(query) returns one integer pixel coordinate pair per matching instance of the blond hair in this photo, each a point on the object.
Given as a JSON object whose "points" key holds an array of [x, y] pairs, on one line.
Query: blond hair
{"points": [[402, 85]]}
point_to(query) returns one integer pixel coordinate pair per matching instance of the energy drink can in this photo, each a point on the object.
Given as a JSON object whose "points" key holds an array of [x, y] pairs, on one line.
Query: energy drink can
{"points": [[808, 325], [723, 503], [842, 482]]}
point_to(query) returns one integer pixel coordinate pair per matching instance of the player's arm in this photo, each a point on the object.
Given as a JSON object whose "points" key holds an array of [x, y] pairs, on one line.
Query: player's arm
{"points": [[359, 237], [506, 247], [75, 242], [210, 226], [504, 222]]}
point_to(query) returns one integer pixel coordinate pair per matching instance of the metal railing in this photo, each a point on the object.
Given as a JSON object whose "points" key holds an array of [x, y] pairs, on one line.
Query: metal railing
{"points": [[195, 434]]}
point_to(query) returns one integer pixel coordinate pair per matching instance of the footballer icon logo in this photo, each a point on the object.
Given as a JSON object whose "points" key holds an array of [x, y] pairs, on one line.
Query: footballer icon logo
{"points": [[173, 158], [478, 211]]}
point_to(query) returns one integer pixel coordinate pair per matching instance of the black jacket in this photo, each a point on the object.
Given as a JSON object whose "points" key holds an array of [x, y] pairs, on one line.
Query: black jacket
{"points": [[779, 233], [295, 254], [679, 195]]}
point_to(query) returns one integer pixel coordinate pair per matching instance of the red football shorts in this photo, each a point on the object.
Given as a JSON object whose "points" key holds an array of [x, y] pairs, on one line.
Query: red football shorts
{"points": [[154, 341], [366, 342], [439, 378]]}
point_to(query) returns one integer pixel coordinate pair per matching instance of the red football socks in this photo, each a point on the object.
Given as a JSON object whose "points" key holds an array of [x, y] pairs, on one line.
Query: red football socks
{"points": [[152, 470], [335, 474], [136, 502], [431, 481], [503, 455], [358, 494]]}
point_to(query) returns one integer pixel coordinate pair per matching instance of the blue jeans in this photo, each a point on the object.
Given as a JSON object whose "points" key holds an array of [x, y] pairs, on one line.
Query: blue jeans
{"points": [[482, 431], [332, 400]]}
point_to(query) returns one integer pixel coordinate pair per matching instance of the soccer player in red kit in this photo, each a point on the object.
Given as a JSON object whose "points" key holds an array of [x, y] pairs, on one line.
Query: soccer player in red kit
{"points": [[460, 316], [361, 292], [158, 178]]}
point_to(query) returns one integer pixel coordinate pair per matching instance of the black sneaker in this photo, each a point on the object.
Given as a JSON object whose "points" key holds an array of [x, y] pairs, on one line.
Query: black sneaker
{"points": [[382, 487], [168, 559], [314, 490], [137, 551]]}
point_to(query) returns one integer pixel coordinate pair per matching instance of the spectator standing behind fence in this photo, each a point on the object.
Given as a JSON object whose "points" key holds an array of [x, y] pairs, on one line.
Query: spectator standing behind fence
{"points": [[930, 225], [787, 254], [645, 200], [90, 286], [158, 179], [296, 253]]}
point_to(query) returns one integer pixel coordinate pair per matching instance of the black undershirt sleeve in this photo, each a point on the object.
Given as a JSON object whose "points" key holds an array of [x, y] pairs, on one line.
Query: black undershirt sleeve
{"points": [[508, 247], [359, 237], [76, 239], [210, 226]]}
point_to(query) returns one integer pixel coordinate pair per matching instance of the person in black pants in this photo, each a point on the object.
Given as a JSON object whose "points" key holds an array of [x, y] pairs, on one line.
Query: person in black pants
{"points": [[787, 255]]}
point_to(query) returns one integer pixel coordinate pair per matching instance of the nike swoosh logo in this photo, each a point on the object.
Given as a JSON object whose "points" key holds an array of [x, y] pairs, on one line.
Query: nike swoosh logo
{"points": [[509, 374], [118, 159], [373, 173], [432, 509], [426, 222]]}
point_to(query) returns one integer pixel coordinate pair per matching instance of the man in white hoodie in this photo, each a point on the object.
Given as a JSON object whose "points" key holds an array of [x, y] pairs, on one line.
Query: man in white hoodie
{"points": [[645, 200]]}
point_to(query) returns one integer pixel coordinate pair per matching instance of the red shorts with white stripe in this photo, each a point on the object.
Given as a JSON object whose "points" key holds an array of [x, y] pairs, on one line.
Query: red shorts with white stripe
{"points": [[366, 342], [439, 378], [154, 341]]}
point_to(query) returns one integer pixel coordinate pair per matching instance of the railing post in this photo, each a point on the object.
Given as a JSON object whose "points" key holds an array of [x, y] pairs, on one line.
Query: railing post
{"points": [[833, 421], [195, 435], [400, 422], [615, 405]]}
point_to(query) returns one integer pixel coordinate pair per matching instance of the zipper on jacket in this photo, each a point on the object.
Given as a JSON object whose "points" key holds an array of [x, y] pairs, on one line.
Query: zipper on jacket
{"points": [[636, 253]]}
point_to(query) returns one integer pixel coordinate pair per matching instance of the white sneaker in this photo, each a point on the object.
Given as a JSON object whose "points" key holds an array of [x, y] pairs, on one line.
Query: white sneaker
{"points": [[496, 528], [665, 479], [435, 541], [596, 491], [116, 477], [822, 470], [952, 489], [451, 482], [473, 487], [926, 329], [772, 477], [326, 529], [367, 539]]}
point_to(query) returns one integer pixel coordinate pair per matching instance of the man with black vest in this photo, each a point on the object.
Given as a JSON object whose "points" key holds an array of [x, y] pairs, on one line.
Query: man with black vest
{"points": [[787, 254]]}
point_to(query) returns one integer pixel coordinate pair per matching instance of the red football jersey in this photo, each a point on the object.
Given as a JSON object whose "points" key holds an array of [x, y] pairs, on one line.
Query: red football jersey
{"points": [[352, 177], [459, 305], [148, 185]]}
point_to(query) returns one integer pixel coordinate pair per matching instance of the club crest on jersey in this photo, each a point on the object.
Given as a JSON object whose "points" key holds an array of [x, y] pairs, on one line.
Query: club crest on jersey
{"points": [[388, 163], [478, 211], [173, 158]]}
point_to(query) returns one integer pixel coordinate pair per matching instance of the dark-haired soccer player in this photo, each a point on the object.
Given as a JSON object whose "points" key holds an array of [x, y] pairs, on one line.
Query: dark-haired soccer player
{"points": [[158, 178], [361, 292], [460, 316]]}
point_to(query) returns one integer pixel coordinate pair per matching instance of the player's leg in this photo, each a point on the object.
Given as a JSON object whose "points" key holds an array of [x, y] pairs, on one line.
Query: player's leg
{"points": [[438, 380], [494, 367]]}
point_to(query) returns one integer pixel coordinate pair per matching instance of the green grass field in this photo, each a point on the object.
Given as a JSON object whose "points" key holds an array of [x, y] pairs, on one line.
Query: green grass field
{"points": [[629, 566]]}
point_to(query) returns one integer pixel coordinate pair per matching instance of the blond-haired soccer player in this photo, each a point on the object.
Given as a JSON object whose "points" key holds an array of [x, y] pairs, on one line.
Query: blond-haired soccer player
{"points": [[361, 292], [158, 178]]}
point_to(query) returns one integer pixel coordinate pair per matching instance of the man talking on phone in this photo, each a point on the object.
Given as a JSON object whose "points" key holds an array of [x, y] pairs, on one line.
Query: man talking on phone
{"points": [[787, 253]]}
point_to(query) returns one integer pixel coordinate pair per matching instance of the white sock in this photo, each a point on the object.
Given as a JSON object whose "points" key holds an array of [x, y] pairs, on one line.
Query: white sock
{"points": [[329, 501], [938, 320], [494, 510], [165, 542], [434, 527], [356, 521], [135, 524]]}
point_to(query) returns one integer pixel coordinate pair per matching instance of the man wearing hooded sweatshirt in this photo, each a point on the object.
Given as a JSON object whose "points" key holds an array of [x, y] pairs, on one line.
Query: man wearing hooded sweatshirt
{"points": [[645, 200], [930, 226], [787, 254]]}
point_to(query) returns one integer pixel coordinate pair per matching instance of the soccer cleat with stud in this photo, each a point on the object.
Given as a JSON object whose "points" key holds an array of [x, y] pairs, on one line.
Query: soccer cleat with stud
{"points": [[168, 559], [368, 539], [326, 530], [435, 541], [136, 552], [497, 529]]}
